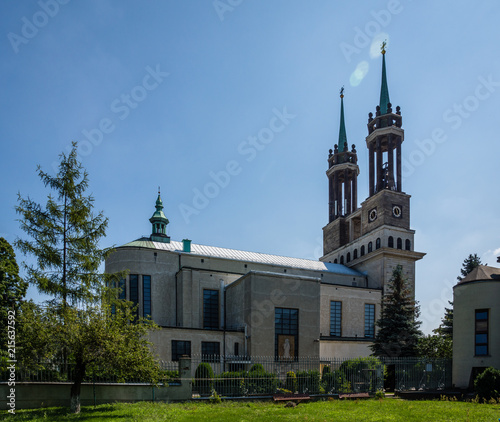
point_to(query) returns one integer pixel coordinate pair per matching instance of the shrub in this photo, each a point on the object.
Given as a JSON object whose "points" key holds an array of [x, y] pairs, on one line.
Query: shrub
{"points": [[326, 370], [215, 398], [261, 382], [358, 374], [291, 382], [309, 382], [203, 382], [487, 384], [230, 384], [257, 367]]}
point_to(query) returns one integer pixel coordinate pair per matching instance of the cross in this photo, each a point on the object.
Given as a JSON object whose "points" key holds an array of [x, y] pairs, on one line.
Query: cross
{"points": [[383, 46], [342, 92]]}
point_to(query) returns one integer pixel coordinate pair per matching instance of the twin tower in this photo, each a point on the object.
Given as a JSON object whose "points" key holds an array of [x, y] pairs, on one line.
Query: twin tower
{"points": [[376, 237]]}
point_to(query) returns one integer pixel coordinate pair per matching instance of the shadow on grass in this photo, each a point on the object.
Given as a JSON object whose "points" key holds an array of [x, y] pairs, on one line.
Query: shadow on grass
{"points": [[88, 413]]}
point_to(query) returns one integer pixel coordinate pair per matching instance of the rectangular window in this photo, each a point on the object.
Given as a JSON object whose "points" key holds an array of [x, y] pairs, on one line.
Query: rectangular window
{"points": [[481, 332], [335, 318], [369, 320], [180, 348], [211, 309], [286, 331], [122, 294], [146, 296], [134, 291], [236, 349], [210, 351]]}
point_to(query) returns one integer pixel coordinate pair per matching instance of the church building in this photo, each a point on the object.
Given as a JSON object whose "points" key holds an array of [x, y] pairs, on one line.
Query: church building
{"points": [[223, 302]]}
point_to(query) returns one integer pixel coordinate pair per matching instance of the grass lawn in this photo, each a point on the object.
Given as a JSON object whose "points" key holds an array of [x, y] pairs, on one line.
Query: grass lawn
{"points": [[333, 410]]}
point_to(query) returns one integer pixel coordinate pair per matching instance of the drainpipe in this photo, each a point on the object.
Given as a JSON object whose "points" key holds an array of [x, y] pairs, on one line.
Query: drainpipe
{"points": [[223, 320]]}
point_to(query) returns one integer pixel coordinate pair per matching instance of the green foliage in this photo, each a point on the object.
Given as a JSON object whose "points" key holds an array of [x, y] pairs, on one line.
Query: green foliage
{"points": [[309, 381], [291, 381], [203, 379], [398, 327], [261, 382], [435, 346], [471, 262], [487, 384], [12, 290], [380, 395], [326, 370], [445, 329], [359, 374], [257, 367], [215, 398], [64, 236]]}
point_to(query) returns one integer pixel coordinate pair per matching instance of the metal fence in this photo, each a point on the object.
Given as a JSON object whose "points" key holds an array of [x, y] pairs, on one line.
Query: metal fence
{"points": [[241, 376]]}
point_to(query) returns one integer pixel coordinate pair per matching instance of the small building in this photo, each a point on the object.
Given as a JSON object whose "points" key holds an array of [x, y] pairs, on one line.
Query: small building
{"points": [[476, 322]]}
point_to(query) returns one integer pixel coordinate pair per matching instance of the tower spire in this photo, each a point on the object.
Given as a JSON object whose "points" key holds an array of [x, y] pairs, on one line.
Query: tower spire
{"points": [[342, 132], [384, 90], [159, 222]]}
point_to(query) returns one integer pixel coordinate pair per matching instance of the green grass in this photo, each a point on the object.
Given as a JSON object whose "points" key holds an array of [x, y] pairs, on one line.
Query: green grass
{"points": [[333, 410]]}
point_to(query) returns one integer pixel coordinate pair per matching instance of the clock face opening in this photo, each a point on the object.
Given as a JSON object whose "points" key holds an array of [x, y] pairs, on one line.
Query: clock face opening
{"points": [[372, 216], [396, 211]]}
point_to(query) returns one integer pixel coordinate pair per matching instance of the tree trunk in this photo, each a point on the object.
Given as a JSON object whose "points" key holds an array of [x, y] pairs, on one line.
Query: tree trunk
{"points": [[75, 388]]}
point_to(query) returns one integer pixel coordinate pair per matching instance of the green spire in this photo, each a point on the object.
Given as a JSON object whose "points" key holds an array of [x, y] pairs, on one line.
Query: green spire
{"points": [[159, 222], [342, 132], [384, 90]]}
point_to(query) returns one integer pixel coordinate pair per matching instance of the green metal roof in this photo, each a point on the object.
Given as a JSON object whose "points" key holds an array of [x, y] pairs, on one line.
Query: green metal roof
{"points": [[158, 215], [384, 90]]}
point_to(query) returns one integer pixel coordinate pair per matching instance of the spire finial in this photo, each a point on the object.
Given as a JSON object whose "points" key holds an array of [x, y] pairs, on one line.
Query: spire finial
{"points": [[158, 190], [384, 90], [342, 92], [382, 47]]}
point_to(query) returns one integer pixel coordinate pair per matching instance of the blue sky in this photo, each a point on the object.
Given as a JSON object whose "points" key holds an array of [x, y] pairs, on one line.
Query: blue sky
{"points": [[171, 94]]}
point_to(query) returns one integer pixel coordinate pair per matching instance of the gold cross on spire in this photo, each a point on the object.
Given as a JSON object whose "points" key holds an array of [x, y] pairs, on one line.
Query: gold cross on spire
{"points": [[382, 47], [342, 92]]}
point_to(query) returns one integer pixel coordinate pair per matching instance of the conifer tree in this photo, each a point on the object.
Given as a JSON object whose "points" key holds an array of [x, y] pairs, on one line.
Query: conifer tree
{"points": [[398, 326], [64, 236], [471, 262]]}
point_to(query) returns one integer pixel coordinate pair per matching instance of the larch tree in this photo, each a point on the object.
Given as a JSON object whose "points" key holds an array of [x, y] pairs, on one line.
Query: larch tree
{"points": [[398, 326], [89, 327]]}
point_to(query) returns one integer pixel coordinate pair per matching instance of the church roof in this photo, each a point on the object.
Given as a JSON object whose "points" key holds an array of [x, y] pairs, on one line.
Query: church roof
{"points": [[482, 273], [384, 89], [342, 131], [234, 254]]}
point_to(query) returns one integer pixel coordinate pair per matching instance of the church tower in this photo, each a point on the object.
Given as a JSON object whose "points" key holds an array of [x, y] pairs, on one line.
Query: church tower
{"points": [[377, 236], [159, 223]]}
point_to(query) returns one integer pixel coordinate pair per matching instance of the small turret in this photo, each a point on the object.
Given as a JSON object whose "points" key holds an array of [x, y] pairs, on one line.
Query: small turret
{"points": [[159, 223]]}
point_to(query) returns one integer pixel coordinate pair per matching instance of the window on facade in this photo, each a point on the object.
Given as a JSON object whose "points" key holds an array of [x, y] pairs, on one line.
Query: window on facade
{"points": [[146, 296], [481, 333], [210, 351], [236, 349], [390, 242], [122, 294], [408, 245], [335, 261], [369, 320], [362, 250], [370, 247], [342, 259], [400, 243], [134, 291], [355, 254], [348, 256], [180, 348], [377, 243], [335, 318], [286, 332], [211, 309]]}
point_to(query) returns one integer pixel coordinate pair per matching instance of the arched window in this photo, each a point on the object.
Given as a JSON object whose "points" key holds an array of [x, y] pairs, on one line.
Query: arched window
{"points": [[400, 243], [335, 261], [390, 242], [362, 250], [408, 245], [377, 243], [348, 256], [342, 259], [370, 247], [355, 254]]}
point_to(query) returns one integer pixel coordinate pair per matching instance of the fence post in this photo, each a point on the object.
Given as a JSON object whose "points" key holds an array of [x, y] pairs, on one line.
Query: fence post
{"points": [[185, 374]]}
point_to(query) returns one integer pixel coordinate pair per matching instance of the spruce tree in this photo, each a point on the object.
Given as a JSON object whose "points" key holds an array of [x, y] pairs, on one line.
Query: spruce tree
{"points": [[471, 262], [398, 327]]}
